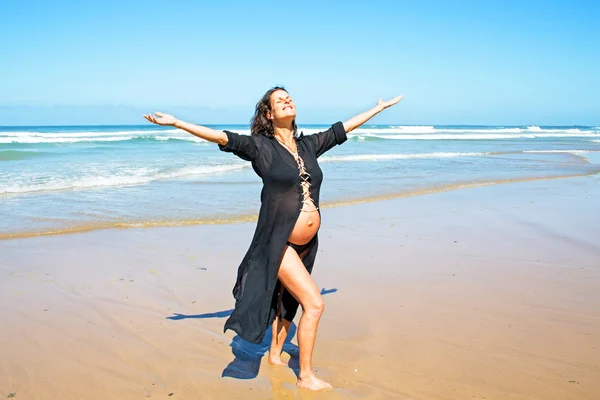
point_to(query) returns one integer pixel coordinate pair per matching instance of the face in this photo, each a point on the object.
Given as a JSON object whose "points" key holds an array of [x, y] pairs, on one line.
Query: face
{"points": [[282, 106]]}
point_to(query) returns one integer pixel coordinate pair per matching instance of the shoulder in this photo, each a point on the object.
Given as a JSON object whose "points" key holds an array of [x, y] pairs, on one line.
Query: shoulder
{"points": [[234, 137], [262, 141], [336, 132], [305, 138]]}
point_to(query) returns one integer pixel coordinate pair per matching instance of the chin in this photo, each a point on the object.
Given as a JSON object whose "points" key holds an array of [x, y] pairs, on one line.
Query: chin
{"points": [[288, 115]]}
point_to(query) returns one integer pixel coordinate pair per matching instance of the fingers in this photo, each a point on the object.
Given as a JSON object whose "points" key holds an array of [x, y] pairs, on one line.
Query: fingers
{"points": [[159, 118], [150, 118], [393, 101]]}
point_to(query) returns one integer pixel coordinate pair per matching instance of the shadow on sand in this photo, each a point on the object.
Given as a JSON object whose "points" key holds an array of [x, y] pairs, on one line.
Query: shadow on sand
{"points": [[247, 356], [225, 313]]}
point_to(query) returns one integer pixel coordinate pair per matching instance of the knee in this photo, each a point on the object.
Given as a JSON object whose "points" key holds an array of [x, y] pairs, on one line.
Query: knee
{"points": [[315, 308]]}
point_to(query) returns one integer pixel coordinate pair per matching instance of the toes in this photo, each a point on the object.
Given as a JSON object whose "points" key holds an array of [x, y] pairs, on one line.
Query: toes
{"points": [[316, 384]]}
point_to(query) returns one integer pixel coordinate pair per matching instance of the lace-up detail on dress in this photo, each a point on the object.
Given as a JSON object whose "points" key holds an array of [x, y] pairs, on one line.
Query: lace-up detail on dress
{"points": [[307, 202]]}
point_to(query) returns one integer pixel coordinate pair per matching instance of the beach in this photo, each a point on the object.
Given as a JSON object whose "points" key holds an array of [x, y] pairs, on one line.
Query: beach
{"points": [[488, 291], [162, 166]]}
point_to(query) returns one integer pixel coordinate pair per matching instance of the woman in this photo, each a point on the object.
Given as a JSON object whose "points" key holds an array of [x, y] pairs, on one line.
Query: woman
{"points": [[274, 276]]}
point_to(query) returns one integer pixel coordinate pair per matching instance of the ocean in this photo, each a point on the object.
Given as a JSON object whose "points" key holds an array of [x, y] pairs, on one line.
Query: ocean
{"points": [[64, 179]]}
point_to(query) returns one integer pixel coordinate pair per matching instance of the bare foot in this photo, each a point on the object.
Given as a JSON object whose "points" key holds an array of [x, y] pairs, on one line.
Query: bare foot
{"points": [[275, 360], [311, 382]]}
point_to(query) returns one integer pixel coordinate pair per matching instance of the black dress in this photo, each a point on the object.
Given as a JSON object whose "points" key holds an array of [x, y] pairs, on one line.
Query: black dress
{"points": [[257, 288]]}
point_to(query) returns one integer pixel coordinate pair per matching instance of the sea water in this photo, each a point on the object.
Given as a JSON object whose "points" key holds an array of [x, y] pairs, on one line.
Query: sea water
{"points": [[64, 179]]}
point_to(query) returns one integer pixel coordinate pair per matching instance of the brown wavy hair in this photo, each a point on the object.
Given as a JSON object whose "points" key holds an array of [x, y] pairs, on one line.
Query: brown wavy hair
{"points": [[260, 124]]}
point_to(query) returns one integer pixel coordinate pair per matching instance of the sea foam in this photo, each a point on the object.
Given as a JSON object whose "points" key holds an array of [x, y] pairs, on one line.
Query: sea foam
{"points": [[383, 157], [126, 178], [558, 151], [395, 132], [476, 136]]}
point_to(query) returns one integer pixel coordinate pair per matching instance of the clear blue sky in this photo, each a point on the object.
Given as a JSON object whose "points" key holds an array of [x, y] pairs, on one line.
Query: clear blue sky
{"points": [[456, 62]]}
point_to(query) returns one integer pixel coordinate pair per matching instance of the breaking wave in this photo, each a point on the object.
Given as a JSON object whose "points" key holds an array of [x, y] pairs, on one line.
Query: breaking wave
{"points": [[137, 177], [393, 132]]}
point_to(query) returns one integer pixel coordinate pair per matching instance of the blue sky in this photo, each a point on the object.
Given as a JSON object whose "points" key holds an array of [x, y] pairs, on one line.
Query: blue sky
{"points": [[456, 62]]}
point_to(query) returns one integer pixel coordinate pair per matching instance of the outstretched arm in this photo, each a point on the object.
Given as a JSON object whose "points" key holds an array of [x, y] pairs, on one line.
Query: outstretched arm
{"points": [[202, 132], [360, 119]]}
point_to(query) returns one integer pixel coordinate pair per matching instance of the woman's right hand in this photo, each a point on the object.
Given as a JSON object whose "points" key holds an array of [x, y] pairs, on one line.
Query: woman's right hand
{"points": [[161, 118]]}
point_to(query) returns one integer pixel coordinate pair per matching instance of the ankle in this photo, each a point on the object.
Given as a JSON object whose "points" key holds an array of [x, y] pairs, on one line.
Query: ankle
{"points": [[304, 375]]}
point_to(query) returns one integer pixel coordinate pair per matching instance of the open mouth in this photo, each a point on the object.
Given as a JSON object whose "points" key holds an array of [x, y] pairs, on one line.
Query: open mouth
{"points": [[287, 107]]}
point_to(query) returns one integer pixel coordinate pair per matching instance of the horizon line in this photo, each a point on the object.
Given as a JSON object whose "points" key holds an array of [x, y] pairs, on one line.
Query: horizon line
{"points": [[594, 126]]}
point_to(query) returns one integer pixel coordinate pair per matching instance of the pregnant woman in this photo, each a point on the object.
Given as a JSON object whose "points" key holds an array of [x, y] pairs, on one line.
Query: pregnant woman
{"points": [[274, 276]]}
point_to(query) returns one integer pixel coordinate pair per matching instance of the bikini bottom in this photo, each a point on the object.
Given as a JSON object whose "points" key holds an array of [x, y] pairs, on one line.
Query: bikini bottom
{"points": [[302, 248]]}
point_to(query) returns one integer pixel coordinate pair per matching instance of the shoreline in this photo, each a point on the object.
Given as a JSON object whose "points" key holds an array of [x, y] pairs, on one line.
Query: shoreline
{"points": [[252, 217]]}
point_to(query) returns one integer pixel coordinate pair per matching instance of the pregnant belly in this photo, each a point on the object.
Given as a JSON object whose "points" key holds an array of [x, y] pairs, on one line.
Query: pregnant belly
{"points": [[306, 227]]}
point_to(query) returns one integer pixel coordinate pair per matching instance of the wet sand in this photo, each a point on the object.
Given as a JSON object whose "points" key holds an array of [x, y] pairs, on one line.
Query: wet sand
{"points": [[488, 292]]}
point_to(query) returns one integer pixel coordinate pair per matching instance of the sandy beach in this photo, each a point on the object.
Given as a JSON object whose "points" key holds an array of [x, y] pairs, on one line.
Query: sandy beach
{"points": [[482, 293]]}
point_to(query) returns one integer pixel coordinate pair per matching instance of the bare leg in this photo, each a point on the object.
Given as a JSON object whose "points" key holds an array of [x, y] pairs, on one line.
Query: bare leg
{"points": [[294, 276], [280, 330]]}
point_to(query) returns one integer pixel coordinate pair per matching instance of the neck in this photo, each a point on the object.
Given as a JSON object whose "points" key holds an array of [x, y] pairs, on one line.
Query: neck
{"points": [[283, 130]]}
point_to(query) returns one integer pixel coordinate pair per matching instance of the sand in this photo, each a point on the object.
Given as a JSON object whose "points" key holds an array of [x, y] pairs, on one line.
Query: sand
{"points": [[489, 292]]}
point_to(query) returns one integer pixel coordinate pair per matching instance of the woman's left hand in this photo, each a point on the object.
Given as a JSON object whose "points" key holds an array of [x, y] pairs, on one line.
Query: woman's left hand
{"points": [[361, 118], [385, 104]]}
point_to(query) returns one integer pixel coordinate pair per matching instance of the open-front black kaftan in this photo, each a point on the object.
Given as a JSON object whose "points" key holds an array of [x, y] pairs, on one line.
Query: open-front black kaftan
{"points": [[256, 290]]}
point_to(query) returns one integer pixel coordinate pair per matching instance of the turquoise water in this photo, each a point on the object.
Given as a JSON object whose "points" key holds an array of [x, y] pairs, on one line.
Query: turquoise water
{"points": [[72, 178]]}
